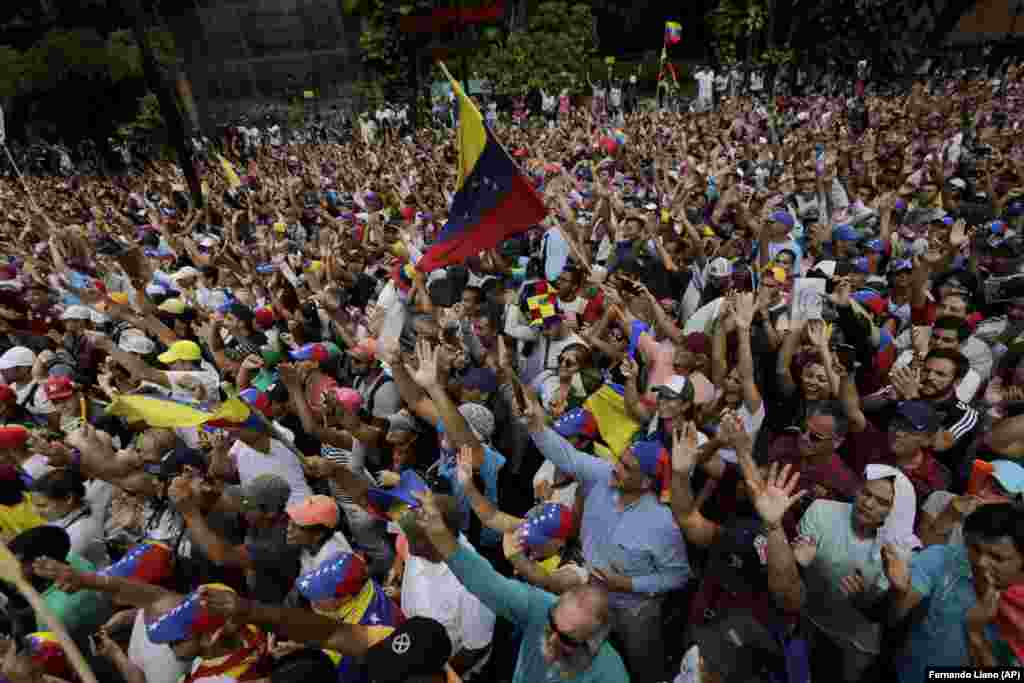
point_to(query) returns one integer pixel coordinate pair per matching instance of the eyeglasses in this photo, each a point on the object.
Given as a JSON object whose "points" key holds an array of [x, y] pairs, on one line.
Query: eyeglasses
{"points": [[565, 639]]}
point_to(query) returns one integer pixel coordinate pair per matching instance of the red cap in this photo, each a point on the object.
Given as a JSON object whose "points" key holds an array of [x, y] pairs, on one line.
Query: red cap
{"points": [[408, 213], [59, 388], [13, 436], [264, 318], [7, 394]]}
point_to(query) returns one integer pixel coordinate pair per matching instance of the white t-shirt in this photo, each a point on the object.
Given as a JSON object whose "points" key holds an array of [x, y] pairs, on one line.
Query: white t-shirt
{"points": [[280, 461], [158, 662], [39, 405], [195, 385], [432, 590], [705, 82], [85, 530]]}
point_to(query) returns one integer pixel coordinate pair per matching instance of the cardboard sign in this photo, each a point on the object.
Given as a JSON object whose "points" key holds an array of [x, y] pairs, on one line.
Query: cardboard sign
{"points": [[808, 298]]}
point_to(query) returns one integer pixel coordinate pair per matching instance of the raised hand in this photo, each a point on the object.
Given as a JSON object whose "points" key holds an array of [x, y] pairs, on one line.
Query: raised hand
{"points": [[958, 235], [905, 381], [897, 569], [743, 310], [64, 577], [816, 333], [684, 448], [464, 469], [629, 368], [772, 496], [426, 373], [225, 603], [805, 549]]}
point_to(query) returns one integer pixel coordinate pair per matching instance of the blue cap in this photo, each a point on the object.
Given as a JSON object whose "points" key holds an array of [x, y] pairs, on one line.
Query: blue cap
{"points": [[1009, 474], [918, 415], [874, 245], [783, 217], [860, 265], [845, 233]]}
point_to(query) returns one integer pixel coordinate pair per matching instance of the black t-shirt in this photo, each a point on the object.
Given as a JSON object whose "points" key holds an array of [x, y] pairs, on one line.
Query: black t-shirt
{"points": [[307, 444], [362, 291], [275, 564]]}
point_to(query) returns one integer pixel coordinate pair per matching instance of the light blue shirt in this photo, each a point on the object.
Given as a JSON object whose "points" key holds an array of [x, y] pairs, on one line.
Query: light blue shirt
{"points": [[942, 575], [641, 540], [528, 607], [489, 469]]}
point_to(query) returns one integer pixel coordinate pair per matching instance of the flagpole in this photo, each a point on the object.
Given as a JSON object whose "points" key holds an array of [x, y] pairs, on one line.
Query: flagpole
{"points": [[21, 178]]}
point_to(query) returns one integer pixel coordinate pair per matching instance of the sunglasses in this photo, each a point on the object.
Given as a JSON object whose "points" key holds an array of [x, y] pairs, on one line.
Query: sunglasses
{"points": [[565, 639], [815, 437]]}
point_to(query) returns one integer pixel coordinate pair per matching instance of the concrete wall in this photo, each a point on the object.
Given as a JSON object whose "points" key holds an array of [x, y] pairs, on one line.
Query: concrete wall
{"points": [[244, 56]]}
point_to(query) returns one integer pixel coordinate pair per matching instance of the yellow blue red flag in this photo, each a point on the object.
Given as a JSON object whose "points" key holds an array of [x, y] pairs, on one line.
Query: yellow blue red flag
{"points": [[493, 199]]}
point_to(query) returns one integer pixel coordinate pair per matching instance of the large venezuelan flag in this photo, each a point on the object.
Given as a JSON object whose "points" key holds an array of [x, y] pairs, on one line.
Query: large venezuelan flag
{"points": [[493, 200], [167, 413]]}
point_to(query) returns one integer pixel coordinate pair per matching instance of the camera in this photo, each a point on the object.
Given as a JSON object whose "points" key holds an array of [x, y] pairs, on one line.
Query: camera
{"points": [[1000, 289]]}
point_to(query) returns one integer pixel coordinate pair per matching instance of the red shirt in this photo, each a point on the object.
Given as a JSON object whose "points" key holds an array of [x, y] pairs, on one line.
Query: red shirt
{"points": [[871, 447], [830, 480]]}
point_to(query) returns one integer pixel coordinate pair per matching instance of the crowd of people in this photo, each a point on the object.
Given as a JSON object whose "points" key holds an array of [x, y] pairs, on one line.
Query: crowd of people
{"points": [[746, 406]]}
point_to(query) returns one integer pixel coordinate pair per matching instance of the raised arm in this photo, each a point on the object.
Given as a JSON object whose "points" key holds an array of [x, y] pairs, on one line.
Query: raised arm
{"points": [[489, 514]]}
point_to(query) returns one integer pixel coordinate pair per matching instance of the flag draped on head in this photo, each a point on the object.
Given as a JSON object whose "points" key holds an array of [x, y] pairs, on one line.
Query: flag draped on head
{"points": [[493, 200]]}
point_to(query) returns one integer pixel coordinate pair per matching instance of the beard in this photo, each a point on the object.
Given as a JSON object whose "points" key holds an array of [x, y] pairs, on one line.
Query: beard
{"points": [[563, 666]]}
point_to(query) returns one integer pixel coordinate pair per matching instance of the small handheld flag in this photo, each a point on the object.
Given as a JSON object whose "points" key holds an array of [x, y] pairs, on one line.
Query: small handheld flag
{"points": [[673, 32]]}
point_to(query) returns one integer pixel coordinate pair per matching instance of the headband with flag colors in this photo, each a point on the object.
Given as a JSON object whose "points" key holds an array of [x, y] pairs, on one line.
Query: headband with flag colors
{"points": [[319, 352], [48, 654], [493, 200], [186, 621], [149, 562], [340, 576], [391, 503], [673, 32]]}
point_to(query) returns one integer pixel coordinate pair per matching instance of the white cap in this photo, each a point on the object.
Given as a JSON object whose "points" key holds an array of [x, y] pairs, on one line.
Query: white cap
{"points": [[18, 357], [76, 312], [720, 267], [187, 271], [134, 341]]}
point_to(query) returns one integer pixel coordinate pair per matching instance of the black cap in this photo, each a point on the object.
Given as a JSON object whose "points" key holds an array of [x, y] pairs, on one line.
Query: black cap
{"points": [[307, 665], [418, 647]]}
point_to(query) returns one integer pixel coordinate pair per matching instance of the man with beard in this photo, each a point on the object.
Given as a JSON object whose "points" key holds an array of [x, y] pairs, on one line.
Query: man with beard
{"points": [[563, 637], [940, 373], [629, 538]]}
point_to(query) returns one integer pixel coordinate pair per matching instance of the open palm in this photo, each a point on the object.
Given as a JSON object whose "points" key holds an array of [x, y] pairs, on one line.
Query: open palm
{"points": [[773, 496]]}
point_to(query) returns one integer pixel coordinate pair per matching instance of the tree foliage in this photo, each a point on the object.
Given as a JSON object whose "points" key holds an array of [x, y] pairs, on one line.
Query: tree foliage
{"points": [[554, 52]]}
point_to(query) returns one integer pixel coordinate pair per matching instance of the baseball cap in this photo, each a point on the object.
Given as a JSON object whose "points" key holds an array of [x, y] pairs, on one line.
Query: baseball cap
{"points": [[547, 522], [340, 576], [860, 265], [265, 493], [783, 217], [870, 300], [173, 306], [418, 647], [314, 511], [677, 387], [256, 399], [136, 342], [309, 665], [13, 436], [845, 233], [480, 419], [179, 350], [76, 313], [481, 379], [901, 265], [1010, 476], [915, 416], [720, 267], [17, 357], [264, 318], [59, 388], [188, 620]]}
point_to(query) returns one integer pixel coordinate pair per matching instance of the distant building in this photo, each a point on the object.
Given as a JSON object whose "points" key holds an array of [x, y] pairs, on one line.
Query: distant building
{"points": [[253, 56]]}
